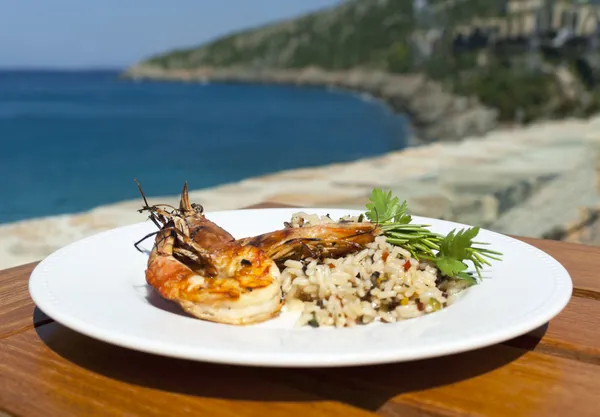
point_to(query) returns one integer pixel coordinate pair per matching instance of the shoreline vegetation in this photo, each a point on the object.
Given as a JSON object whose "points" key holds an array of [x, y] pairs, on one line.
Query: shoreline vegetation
{"points": [[455, 68]]}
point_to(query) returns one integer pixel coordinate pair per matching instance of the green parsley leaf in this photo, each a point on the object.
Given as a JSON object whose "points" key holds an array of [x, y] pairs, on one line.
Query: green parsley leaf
{"points": [[466, 277], [456, 244], [450, 267], [383, 207], [455, 248], [401, 217], [452, 250]]}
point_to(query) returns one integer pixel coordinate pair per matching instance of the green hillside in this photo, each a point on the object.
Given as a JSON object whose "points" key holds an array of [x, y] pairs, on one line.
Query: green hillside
{"points": [[357, 33], [385, 35]]}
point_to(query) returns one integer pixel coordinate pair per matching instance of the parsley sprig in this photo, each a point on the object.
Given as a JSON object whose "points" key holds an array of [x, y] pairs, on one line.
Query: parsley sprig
{"points": [[448, 253]]}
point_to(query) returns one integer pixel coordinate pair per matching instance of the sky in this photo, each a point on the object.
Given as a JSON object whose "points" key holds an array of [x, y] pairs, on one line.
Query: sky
{"points": [[118, 33]]}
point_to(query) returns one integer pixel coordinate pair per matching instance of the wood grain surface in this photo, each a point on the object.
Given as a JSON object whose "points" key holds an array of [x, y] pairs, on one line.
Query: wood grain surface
{"points": [[49, 370], [16, 307]]}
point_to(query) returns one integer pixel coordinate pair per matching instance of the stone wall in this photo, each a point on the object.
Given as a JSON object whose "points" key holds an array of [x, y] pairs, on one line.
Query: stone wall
{"points": [[539, 181]]}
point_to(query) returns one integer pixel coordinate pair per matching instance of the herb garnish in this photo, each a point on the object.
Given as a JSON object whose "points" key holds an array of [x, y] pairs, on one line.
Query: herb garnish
{"points": [[313, 322], [447, 252]]}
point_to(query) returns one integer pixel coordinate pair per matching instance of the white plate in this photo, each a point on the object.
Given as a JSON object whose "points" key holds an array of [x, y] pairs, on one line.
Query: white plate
{"points": [[96, 286]]}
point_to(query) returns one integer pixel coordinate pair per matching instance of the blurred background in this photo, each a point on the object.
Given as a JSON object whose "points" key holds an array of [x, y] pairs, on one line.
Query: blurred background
{"points": [[478, 111]]}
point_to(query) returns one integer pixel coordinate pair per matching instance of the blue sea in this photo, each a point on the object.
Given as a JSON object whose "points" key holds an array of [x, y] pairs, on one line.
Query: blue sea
{"points": [[70, 141]]}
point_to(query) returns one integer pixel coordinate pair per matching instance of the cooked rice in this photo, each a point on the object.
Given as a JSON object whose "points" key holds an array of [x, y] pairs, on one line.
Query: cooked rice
{"points": [[380, 283]]}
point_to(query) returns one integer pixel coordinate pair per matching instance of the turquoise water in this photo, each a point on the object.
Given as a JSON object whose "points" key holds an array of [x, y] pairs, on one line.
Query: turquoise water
{"points": [[70, 141]]}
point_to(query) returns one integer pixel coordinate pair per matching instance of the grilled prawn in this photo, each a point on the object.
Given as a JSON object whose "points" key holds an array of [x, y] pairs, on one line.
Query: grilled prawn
{"points": [[329, 240], [200, 266]]}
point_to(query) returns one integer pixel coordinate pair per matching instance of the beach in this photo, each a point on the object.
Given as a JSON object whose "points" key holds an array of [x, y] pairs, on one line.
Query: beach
{"points": [[537, 181]]}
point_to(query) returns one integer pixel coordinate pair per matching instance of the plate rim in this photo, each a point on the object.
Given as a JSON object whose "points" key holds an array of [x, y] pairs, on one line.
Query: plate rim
{"points": [[39, 272]]}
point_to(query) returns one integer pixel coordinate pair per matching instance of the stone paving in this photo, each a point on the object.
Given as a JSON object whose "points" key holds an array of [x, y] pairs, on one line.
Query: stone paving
{"points": [[538, 181]]}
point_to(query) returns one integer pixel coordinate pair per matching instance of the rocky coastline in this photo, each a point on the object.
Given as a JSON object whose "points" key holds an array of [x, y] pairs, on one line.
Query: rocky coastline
{"points": [[537, 181], [434, 113]]}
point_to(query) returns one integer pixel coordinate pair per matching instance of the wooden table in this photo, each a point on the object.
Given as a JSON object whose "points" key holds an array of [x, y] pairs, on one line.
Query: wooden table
{"points": [[49, 370]]}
